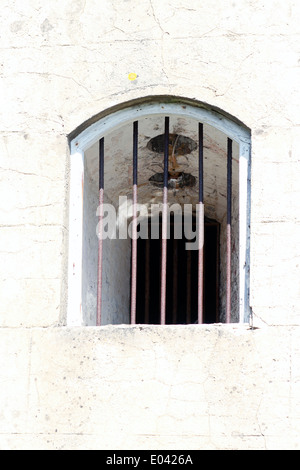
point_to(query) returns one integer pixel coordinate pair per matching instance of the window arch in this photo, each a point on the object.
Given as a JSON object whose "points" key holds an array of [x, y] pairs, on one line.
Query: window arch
{"points": [[157, 131]]}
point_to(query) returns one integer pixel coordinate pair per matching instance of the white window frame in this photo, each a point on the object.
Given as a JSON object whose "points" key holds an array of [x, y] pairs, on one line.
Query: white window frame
{"points": [[89, 136]]}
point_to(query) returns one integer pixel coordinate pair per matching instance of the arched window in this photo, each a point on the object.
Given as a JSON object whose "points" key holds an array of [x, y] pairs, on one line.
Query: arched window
{"points": [[149, 183]]}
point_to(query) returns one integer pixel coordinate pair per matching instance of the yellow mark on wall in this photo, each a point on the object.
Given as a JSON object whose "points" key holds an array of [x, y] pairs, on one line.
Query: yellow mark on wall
{"points": [[132, 76]]}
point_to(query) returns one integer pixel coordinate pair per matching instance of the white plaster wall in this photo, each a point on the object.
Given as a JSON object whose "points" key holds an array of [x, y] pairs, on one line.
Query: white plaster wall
{"points": [[235, 317], [129, 388], [115, 269], [116, 281], [89, 253], [63, 62], [248, 68]]}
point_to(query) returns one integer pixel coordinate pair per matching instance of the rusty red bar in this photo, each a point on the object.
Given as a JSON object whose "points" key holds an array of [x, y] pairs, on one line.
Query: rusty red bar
{"points": [[175, 280], [147, 280], [201, 230], [164, 226], [100, 230], [188, 287], [229, 198], [134, 224]]}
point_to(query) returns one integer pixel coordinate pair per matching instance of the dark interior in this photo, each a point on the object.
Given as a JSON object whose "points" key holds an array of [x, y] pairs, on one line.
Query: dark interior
{"points": [[182, 278]]}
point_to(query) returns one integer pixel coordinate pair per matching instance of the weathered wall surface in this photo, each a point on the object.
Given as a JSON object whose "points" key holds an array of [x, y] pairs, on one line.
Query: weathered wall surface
{"points": [[63, 62], [150, 387]]}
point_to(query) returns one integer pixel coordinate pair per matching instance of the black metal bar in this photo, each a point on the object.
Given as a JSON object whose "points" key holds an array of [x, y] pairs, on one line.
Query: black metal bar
{"points": [[166, 151], [101, 163], [201, 230], [164, 225], [135, 152], [134, 224], [229, 216], [100, 232], [201, 182]]}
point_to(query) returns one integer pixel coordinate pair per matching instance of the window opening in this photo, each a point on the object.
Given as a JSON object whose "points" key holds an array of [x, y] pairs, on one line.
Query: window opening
{"points": [[167, 153], [169, 175]]}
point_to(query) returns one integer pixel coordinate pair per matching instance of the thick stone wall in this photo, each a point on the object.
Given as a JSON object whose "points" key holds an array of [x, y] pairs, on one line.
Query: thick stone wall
{"points": [[150, 387], [62, 63]]}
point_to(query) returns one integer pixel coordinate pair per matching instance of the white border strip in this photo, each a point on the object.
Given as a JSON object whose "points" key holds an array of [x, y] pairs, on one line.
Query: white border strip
{"points": [[244, 230], [74, 312], [91, 135]]}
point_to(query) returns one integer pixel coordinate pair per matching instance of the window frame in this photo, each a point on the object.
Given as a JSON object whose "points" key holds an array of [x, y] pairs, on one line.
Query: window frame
{"points": [[83, 139]]}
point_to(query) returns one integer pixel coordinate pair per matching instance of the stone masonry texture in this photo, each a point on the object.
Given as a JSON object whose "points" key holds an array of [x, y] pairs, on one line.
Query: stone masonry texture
{"points": [[145, 387]]}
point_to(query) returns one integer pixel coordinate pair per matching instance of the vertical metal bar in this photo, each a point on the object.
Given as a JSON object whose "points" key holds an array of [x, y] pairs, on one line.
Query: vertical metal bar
{"points": [[229, 197], [175, 280], [100, 232], [134, 224], [164, 226], [147, 280], [188, 286], [201, 230], [160, 265], [218, 275]]}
